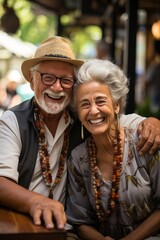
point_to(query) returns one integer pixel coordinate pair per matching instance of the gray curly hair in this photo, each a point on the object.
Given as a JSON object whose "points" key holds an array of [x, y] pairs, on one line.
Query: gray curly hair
{"points": [[108, 73]]}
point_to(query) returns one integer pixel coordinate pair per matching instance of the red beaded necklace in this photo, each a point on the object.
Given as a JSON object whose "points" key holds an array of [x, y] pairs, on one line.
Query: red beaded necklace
{"points": [[44, 155], [117, 165]]}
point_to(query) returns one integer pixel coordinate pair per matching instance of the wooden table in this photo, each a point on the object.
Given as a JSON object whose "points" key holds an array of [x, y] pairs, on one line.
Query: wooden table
{"points": [[16, 226]]}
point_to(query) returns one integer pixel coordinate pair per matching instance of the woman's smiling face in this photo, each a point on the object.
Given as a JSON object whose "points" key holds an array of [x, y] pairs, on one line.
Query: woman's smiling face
{"points": [[95, 107]]}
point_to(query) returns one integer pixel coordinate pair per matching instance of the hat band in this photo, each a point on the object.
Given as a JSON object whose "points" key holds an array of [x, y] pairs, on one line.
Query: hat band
{"points": [[56, 55]]}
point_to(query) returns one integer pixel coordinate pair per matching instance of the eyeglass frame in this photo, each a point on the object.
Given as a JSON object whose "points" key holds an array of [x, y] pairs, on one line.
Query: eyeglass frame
{"points": [[55, 80]]}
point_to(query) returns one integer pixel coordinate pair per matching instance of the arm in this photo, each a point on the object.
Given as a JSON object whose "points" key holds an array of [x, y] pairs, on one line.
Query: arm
{"points": [[37, 205], [149, 135], [148, 130], [148, 228], [87, 232], [11, 194]]}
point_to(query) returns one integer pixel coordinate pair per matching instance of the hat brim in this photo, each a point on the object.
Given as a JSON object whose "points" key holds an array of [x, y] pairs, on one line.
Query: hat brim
{"points": [[28, 64]]}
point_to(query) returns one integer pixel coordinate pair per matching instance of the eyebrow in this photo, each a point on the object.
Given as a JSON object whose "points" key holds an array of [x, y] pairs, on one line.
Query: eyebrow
{"points": [[100, 97], [97, 98], [83, 100]]}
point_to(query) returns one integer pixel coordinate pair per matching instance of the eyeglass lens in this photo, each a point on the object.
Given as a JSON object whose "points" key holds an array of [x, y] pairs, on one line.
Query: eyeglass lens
{"points": [[50, 79]]}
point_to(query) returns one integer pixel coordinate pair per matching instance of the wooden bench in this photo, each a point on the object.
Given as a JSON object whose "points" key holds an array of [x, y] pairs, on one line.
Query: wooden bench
{"points": [[17, 226]]}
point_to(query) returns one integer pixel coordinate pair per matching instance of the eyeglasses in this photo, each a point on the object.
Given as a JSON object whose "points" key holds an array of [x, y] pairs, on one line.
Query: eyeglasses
{"points": [[50, 79]]}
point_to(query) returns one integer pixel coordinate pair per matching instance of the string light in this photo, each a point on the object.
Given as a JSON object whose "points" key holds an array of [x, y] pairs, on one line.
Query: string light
{"points": [[156, 30]]}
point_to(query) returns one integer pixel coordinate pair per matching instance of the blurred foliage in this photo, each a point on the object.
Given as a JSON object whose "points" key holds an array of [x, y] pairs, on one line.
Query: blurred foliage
{"points": [[84, 40], [37, 23], [34, 26], [146, 110]]}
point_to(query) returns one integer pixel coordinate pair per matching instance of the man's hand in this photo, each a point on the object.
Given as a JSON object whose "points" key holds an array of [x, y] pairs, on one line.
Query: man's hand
{"points": [[43, 210], [49, 211], [149, 135]]}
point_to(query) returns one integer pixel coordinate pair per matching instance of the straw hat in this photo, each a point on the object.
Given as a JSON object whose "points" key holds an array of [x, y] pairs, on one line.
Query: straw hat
{"points": [[54, 48]]}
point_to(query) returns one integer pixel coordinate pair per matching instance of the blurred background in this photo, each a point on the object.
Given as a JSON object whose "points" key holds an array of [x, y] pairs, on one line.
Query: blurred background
{"points": [[125, 31]]}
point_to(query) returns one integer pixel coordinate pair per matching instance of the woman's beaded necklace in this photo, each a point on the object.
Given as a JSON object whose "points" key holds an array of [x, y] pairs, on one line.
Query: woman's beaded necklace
{"points": [[117, 165], [44, 155]]}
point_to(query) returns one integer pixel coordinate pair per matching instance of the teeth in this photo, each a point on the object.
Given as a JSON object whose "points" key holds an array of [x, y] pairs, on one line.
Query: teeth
{"points": [[54, 97], [97, 121]]}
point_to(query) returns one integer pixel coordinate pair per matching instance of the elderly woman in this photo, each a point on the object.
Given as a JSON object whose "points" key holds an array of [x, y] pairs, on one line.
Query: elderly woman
{"points": [[113, 191]]}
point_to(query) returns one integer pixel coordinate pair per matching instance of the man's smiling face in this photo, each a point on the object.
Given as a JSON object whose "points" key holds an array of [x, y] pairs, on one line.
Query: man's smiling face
{"points": [[52, 99]]}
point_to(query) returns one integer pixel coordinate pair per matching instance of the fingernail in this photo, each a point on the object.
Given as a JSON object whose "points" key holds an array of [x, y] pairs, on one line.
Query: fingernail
{"points": [[50, 226], [60, 226], [37, 223]]}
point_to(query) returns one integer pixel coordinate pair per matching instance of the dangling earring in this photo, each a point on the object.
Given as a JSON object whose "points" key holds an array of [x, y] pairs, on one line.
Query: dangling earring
{"points": [[118, 121], [82, 131]]}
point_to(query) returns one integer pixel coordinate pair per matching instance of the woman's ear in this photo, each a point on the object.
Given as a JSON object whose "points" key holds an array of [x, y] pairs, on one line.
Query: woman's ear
{"points": [[117, 108]]}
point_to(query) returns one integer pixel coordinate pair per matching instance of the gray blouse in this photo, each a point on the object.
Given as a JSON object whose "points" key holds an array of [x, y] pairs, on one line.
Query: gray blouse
{"points": [[139, 189]]}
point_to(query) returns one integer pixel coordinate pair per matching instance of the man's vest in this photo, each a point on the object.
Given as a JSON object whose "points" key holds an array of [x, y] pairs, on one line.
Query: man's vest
{"points": [[29, 137]]}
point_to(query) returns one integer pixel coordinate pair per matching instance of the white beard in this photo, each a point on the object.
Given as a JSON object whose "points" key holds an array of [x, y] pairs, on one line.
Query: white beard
{"points": [[53, 108]]}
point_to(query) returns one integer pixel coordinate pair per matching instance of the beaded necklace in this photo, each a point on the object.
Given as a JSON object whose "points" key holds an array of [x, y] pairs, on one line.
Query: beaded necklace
{"points": [[44, 155], [117, 165]]}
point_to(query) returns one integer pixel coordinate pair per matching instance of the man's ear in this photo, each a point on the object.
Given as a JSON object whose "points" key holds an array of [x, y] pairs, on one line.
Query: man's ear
{"points": [[31, 80]]}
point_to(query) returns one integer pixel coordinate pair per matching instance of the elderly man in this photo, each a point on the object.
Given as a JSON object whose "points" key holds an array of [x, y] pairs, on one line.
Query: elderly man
{"points": [[34, 136]]}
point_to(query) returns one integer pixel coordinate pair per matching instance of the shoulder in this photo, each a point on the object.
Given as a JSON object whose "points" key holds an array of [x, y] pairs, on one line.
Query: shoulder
{"points": [[131, 134], [25, 106], [8, 117], [9, 125], [24, 112], [131, 140], [131, 120]]}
